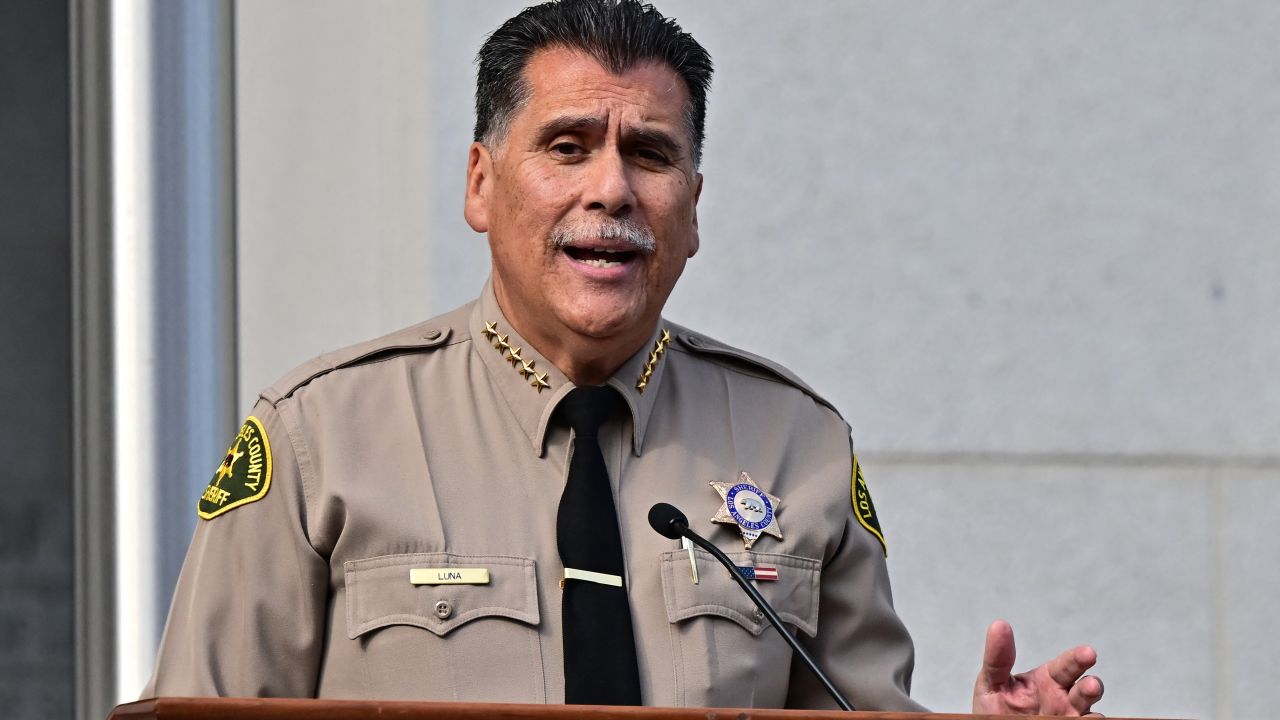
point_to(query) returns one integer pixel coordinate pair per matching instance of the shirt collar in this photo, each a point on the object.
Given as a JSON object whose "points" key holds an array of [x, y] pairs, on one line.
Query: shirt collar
{"points": [[532, 387]]}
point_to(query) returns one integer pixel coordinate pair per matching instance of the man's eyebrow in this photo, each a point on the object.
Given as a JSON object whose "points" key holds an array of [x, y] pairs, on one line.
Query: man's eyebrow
{"points": [[576, 123], [568, 123], [658, 138]]}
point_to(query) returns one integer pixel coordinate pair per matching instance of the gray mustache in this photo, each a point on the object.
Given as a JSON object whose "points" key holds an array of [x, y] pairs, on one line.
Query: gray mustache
{"points": [[638, 236]]}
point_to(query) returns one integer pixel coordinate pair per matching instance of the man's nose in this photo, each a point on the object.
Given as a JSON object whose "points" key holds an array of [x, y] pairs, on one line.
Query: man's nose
{"points": [[609, 185]]}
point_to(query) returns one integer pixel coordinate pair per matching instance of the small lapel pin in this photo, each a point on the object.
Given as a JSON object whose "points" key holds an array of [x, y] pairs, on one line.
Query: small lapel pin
{"points": [[758, 572]]}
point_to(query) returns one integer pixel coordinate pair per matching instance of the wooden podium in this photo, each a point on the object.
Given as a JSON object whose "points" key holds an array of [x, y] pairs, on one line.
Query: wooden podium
{"points": [[175, 708]]}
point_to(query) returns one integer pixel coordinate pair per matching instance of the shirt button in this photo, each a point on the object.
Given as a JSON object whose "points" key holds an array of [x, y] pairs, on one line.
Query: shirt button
{"points": [[759, 614], [431, 335], [444, 609]]}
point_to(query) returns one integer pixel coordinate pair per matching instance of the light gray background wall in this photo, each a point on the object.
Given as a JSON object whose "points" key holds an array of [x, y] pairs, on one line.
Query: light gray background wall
{"points": [[1029, 248]]}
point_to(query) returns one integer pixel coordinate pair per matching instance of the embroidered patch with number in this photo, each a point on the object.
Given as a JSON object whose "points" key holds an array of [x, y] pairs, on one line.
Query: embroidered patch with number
{"points": [[244, 475], [863, 508]]}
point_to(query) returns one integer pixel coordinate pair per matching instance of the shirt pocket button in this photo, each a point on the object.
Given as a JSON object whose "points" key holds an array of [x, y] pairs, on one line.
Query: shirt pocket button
{"points": [[444, 609]]}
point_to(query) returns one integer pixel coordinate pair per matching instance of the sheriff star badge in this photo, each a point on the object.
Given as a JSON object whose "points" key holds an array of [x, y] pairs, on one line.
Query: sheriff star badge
{"points": [[753, 510]]}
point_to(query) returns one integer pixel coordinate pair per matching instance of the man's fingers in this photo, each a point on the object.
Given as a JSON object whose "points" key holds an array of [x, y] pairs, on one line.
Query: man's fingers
{"points": [[997, 657], [1070, 665], [1087, 691]]}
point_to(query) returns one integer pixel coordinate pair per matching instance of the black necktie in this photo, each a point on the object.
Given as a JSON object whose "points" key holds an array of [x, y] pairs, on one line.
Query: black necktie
{"points": [[599, 649]]}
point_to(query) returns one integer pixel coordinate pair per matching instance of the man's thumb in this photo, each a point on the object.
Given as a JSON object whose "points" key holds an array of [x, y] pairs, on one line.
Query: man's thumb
{"points": [[997, 657]]}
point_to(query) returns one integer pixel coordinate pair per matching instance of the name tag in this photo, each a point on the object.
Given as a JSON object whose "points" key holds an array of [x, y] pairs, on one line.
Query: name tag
{"points": [[449, 576]]}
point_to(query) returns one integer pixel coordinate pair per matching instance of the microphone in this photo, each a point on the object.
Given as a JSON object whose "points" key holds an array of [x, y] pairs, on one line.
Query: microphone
{"points": [[668, 521]]}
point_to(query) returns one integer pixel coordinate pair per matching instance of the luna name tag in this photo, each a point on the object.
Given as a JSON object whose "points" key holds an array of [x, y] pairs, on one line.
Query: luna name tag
{"points": [[449, 576]]}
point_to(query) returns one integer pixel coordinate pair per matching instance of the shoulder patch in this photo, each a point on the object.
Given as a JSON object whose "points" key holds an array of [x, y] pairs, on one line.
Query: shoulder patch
{"points": [[243, 476], [863, 508]]}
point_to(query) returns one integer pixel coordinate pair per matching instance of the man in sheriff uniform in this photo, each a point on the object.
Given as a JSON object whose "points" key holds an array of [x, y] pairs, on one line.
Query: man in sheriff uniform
{"points": [[404, 519]]}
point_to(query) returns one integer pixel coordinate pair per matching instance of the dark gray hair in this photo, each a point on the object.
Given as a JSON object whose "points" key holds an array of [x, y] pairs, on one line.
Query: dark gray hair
{"points": [[619, 34]]}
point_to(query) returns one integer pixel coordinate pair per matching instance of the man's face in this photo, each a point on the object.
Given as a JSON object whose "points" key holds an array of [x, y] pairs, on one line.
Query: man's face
{"points": [[589, 155]]}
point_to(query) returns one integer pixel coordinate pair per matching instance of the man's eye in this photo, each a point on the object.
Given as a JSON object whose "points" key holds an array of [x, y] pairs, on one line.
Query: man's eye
{"points": [[566, 148], [650, 155]]}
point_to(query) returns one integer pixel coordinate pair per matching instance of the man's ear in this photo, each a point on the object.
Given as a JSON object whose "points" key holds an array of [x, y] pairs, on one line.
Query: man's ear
{"points": [[479, 177], [694, 240]]}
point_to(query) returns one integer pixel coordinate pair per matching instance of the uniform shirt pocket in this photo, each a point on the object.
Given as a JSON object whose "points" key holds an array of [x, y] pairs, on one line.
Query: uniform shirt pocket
{"points": [[448, 642], [726, 654], [379, 593], [794, 594]]}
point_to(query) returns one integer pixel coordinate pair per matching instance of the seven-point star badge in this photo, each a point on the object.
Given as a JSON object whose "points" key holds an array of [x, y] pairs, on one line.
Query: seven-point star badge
{"points": [[753, 510]]}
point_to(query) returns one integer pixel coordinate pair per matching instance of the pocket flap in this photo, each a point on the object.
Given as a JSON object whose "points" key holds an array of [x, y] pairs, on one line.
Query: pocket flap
{"points": [[379, 592], [794, 595]]}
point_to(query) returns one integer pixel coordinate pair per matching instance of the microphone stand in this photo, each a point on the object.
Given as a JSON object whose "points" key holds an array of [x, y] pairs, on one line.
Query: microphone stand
{"points": [[683, 529]]}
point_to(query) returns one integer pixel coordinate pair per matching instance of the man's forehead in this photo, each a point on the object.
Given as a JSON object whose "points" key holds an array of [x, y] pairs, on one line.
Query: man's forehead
{"points": [[574, 84]]}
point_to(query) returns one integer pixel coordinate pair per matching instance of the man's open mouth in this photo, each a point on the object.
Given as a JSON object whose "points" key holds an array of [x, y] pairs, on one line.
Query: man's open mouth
{"points": [[598, 257]]}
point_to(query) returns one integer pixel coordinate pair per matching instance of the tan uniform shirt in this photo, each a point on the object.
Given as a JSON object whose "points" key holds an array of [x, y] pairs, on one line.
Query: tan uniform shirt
{"points": [[433, 449]]}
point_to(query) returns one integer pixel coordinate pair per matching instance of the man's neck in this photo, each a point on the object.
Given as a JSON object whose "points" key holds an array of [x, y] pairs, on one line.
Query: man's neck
{"points": [[581, 359], [585, 360]]}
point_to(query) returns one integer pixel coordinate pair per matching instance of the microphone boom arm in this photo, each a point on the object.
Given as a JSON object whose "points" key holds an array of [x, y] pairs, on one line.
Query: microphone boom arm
{"points": [[764, 606]]}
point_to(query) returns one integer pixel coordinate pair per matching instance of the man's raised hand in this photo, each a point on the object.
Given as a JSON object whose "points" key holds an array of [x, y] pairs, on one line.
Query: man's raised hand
{"points": [[1054, 688]]}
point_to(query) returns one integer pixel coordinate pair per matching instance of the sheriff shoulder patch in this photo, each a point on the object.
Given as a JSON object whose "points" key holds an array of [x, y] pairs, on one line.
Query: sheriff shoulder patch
{"points": [[244, 475], [863, 508]]}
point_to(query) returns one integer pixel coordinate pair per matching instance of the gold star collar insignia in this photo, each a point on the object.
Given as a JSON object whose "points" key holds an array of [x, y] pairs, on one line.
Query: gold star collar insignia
{"points": [[746, 505], [525, 369], [512, 354], [539, 381], [655, 355]]}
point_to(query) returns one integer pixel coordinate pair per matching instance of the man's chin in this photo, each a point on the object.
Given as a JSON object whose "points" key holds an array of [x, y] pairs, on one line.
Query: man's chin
{"points": [[608, 324], [605, 330]]}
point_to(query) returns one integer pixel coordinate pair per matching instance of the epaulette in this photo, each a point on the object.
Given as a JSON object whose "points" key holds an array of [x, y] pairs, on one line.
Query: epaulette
{"points": [[744, 361], [416, 338]]}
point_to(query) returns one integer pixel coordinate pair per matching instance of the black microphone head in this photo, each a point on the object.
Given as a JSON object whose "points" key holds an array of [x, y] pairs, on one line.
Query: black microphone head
{"points": [[667, 520]]}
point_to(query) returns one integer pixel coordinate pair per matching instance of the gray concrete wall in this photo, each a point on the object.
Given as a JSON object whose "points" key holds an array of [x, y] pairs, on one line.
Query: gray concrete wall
{"points": [[333, 139], [1029, 248]]}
